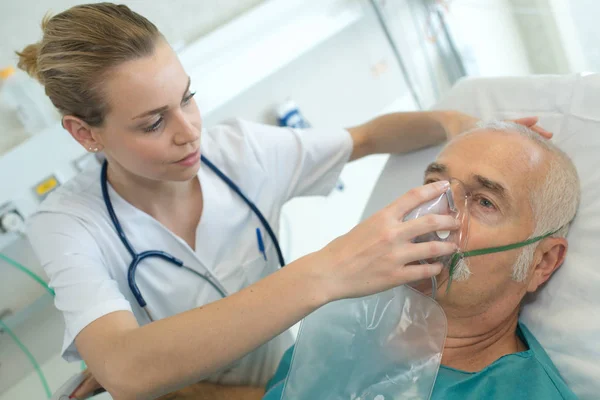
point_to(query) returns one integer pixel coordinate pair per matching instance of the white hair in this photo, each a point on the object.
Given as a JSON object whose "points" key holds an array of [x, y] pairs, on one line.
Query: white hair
{"points": [[461, 272], [554, 201]]}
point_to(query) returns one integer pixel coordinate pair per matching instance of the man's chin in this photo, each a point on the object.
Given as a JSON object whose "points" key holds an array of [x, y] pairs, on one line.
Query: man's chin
{"points": [[425, 286]]}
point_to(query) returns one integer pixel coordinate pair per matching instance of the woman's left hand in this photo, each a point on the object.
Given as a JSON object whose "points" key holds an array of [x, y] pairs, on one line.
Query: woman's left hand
{"points": [[88, 387], [531, 123], [464, 122]]}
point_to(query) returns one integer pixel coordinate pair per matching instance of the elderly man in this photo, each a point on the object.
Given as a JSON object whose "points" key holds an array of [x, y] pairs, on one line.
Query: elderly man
{"points": [[521, 186]]}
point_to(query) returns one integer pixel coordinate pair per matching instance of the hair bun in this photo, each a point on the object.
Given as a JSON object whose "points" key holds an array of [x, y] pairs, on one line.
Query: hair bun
{"points": [[28, 57], [28, 60]]}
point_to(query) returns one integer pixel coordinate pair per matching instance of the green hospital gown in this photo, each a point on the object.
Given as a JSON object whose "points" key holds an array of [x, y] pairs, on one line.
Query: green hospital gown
{"points": [[525, 375]]}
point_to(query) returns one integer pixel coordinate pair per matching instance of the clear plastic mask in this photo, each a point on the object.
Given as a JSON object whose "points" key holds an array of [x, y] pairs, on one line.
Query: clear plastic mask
{"points": [[385, 346], [456, 203]]}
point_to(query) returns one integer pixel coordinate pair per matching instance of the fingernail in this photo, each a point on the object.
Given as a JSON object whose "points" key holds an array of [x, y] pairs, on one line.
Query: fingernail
{"points": [[444, 184]]}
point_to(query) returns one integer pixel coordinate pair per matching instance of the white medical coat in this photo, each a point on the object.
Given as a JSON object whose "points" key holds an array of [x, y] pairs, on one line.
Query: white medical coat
{"points": [[87, 264]]}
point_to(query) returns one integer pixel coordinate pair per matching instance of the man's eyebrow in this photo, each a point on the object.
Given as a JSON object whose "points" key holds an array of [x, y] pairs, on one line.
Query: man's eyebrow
{"points": [[491, 185], [434, 168]]}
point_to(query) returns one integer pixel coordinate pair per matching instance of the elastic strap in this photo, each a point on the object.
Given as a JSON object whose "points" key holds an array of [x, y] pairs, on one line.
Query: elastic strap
{"points": [[490, 250]]}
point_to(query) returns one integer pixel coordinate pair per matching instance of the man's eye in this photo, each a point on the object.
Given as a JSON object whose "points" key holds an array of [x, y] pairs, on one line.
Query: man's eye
{"points": [[486, 203]]}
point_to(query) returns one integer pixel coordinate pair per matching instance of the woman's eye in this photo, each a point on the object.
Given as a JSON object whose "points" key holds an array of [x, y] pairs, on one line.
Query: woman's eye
{"points": [[186, 100], [154, 126]]}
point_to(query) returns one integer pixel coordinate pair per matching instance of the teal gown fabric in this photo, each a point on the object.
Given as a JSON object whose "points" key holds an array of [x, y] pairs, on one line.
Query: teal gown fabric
{"points": [[525, 375]]}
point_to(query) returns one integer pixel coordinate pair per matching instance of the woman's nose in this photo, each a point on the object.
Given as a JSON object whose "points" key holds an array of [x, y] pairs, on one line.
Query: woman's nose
{"points": [[186, 131]]}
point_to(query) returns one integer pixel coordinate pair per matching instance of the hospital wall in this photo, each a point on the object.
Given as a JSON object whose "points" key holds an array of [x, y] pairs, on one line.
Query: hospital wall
{"points": [[488, 36], [577, 24], [357, 79], [180, 21]]}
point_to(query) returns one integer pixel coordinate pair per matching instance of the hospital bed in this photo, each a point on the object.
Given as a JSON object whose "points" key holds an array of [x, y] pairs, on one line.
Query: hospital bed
{"points": [[565, 314]]}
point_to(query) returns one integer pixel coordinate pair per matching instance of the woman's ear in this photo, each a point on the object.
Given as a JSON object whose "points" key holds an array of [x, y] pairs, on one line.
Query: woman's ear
{"points": [[81, 132], [549, 255]]}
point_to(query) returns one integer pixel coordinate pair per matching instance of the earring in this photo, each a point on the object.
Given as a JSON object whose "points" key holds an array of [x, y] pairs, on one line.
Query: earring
{"points": [[95, 149]]}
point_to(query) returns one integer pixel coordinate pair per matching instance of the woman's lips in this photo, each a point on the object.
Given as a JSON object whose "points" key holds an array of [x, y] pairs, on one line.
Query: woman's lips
{"points": [[190, 160]]}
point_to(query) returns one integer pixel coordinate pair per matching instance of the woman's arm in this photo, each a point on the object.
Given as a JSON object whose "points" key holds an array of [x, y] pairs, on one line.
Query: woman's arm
{"points": [[403, 132], [134, 362]]}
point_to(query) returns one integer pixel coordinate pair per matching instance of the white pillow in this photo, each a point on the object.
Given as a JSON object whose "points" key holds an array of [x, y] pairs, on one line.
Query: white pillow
{"points": [[565, 314]]}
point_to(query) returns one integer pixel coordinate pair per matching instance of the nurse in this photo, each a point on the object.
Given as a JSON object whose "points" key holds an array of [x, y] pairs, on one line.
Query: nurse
{"points": [[210, 200]]}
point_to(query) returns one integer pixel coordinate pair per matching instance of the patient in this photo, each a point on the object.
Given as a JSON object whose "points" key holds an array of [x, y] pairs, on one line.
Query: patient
{"points": [[522, 186]]}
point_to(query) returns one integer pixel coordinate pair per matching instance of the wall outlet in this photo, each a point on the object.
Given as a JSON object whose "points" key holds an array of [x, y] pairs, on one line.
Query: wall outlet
{"points": [[11, 220]]}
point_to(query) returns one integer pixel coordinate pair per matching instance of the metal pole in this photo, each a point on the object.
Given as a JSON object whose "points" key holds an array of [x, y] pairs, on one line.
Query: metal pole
{"points": [[399, 59], [451, 44]]}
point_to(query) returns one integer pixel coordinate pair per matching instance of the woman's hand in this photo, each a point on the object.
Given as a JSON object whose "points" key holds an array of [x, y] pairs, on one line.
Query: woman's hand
{"points": [[379, 254], [531, 123], [88, 388], [458, 123]]}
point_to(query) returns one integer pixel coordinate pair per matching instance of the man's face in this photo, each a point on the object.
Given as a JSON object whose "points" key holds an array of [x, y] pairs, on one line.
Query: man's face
{"points": [[498, 170]]}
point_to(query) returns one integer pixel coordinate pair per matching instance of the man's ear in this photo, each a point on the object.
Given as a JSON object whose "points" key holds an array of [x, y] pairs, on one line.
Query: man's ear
{"points": [[548, 256], [82, 132]]}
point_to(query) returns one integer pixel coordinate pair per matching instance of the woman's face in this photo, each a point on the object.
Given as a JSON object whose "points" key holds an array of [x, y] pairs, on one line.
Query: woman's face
{"points": [[152, 129]]}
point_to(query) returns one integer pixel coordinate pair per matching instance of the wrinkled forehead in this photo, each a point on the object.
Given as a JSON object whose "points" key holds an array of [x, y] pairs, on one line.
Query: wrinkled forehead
{"points": [[506, 163]]}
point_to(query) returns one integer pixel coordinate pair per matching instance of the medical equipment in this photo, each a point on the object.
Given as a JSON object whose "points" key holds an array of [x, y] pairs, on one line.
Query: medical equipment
{"points": [[490, 250], [27, 271], [23, 95], [288, 114], [32, 360], [385, 346], [454, 202], [382, 347], [139, 257], [4, 327], [63, 393], [564, 315]]}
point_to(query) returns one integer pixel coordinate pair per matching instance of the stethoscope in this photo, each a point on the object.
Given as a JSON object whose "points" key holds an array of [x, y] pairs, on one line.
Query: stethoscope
{"points": [[139, 257]]}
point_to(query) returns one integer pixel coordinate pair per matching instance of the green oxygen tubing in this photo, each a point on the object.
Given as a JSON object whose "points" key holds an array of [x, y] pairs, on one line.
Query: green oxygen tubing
{"points": [[12, 335], [27, 271]]}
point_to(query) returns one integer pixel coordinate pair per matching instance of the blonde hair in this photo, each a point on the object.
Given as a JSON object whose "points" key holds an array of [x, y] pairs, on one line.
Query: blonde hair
{"points": [[77, 51]]}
